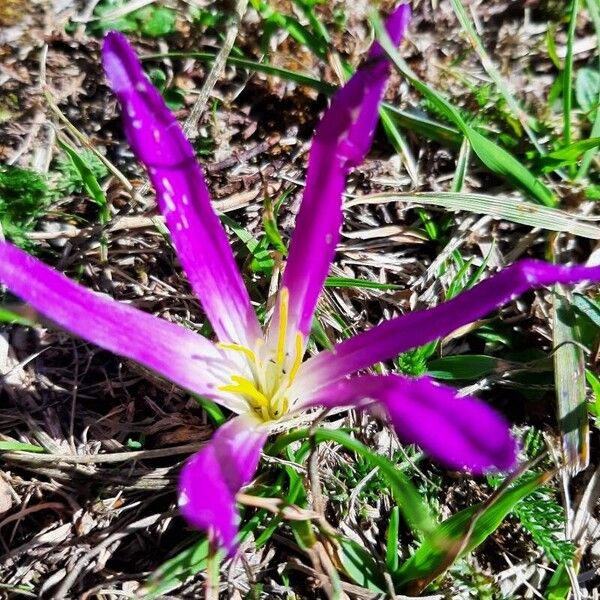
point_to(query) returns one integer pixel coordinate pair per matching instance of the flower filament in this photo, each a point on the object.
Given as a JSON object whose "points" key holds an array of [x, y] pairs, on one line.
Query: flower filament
{"points": [[272, 372]]}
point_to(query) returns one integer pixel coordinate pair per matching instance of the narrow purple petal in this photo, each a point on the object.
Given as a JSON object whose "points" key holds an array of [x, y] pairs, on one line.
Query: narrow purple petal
{"points": [[211, 478], [390, 338], [182, 356], [341, 142], [459, 431], [182, 195]]}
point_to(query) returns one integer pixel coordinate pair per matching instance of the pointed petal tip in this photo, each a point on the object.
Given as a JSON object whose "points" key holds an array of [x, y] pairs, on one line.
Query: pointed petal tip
{"points": [[211, 478], [398, 21], [121, 63], [459, 431]]}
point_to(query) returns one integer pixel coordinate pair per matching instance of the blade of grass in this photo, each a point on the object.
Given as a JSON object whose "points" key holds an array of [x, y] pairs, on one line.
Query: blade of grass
{"points": [[175, 571], [400, 144], [569, 380], [594, 10], [350, 282], [14, 446], [391, 547], [568, 74], [92, 187], [499, 207], [525, 120], [464, 155], [460, 534]]}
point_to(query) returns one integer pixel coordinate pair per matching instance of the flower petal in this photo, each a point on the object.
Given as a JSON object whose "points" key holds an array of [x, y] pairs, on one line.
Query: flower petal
{"points": [[182, 195], [459, 431], [182, 356], [390, 338], [341, 142], [212, 477]]}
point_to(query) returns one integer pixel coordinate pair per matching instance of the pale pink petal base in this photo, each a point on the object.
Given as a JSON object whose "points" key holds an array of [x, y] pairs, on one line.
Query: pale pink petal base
{"points": [[211, 478], [459, 431]]}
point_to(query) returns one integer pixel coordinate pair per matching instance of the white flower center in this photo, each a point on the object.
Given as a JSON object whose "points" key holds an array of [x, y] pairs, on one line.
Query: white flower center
{"points": [[272, 370]]}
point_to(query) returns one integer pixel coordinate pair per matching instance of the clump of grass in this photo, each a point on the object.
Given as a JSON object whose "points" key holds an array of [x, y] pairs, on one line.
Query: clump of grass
{"points": [[24, 196], [150, 21]]}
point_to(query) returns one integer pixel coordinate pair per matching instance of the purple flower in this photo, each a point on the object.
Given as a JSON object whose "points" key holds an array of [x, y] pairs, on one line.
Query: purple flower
{"points": [[261, 376]]}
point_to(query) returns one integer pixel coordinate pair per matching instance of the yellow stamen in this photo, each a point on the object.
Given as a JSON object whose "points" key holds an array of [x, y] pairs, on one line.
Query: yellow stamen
{"points": [[247, 389], [284, 301], [237, 348], [297, 357]]}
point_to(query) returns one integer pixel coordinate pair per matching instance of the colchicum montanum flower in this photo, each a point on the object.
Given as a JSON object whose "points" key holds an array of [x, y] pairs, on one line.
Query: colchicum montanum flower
{"points": [[260, 376]]}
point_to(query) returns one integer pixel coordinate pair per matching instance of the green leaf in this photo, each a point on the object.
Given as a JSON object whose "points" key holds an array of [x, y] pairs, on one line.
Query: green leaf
{"points": [[365, 284], [212, 409], [14, 446], [158, 21], [567, 155], [460, 534], [559, 586], [567, 74], [175, 571], [360, 566], [594, 383], [271, 228], [391, 546], [14, 318], [88, 178], [588, 307], [569, 381]]}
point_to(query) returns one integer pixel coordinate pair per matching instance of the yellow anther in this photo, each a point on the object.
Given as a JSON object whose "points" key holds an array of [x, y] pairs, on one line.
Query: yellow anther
{"points": [[246, 388], [237, 348], [284, 301], [299, 350]]}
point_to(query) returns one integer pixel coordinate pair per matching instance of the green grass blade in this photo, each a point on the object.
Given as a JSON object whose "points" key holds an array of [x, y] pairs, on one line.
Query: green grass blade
{"points": [[175, 571], [14, 318], [465, 367], [90, 182], [391, 546], [499, 207], [568, 74], [559, 586], [360, 566], [568, 155], [594, 9], [569, 380], [350, 282], [14, 446], [525, 120], [462, 164], [461, 534], [400, 144]]}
